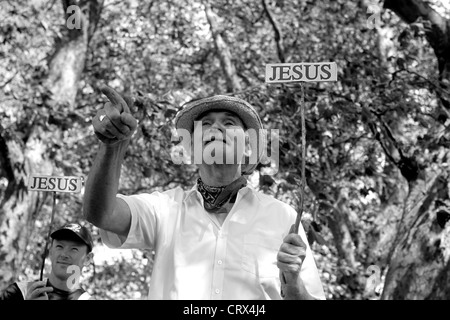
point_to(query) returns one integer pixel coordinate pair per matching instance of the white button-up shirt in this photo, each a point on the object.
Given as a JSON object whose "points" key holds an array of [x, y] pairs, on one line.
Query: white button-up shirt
{"points": [[196, 258]]}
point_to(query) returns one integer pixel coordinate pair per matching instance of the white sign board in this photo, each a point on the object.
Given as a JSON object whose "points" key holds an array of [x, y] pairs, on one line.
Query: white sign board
{"points": [[55, 183], [298, 72]]}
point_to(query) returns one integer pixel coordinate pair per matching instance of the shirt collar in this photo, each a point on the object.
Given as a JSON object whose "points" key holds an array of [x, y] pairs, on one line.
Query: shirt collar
{"points": [[193, 191]]}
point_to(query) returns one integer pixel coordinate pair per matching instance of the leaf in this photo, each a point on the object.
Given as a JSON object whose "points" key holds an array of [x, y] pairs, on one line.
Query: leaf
{"points": [[319, 239]]}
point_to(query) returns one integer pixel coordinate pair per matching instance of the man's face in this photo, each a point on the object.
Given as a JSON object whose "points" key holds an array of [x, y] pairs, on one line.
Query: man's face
{"points": [[222, 139], [64, 253]]}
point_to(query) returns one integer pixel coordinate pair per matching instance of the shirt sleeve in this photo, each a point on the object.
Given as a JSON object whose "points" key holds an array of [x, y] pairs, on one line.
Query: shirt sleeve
{"points": [[12, 292], [144, 219]]}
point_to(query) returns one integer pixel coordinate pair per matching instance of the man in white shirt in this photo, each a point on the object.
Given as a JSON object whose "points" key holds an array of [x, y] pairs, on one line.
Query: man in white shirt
{"points": [[220, 240]]}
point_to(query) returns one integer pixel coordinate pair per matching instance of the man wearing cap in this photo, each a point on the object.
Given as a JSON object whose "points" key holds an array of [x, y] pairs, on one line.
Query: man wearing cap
{"points": [[70, 252], [221, 239]]}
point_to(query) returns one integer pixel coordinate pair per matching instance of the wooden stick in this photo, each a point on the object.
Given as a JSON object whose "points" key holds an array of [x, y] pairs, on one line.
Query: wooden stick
{"points": [[48, 237], [302, 187], [289, 73]]}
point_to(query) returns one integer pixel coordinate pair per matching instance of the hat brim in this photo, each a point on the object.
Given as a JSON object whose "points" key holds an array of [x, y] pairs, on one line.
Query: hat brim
{"points": [[192, 110]]}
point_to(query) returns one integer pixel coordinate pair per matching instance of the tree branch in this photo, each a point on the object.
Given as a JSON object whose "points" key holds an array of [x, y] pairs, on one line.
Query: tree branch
{"points": [[4, 157], [277, 31], [9, 80], [222, 51]]}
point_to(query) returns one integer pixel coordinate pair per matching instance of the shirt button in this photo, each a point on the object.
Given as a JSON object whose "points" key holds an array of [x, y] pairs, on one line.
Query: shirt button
{"points": [[219, 262], [217, 291]]}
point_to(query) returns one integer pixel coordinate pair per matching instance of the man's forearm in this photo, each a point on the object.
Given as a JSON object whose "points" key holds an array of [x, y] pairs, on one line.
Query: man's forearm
{"points": [[103, 182]]}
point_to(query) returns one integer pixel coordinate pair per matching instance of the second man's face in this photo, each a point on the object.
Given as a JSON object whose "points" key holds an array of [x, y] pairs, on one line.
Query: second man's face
{"points": [[65, 253]]}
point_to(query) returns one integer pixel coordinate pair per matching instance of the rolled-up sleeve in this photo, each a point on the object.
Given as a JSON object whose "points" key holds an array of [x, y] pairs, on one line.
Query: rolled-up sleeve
{"points": [[144, 210]]}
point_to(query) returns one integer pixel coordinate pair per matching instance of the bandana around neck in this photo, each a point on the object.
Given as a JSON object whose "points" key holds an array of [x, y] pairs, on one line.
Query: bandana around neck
{"points": [[215, 197]]}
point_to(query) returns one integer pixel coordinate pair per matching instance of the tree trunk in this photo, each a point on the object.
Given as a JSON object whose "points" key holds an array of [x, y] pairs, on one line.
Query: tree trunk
{"points": [[67, 63], [20, 158], [223, 52], [381, 237], [419, 261], [339, 227], [18, 207], [418, 258]]}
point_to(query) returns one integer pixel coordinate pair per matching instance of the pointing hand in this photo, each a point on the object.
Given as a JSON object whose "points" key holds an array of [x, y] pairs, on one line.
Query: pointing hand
{"points": [[114, 122]]}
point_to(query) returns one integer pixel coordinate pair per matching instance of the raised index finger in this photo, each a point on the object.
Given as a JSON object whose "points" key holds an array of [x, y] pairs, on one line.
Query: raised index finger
{"points": [[115, 98]]}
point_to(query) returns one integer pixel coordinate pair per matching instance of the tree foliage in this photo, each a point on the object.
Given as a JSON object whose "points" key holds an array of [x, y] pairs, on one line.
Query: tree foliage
{"points": [[376, 138]]}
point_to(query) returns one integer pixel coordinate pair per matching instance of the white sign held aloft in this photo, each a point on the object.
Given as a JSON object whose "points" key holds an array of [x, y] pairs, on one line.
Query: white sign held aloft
{"points": [[55, 183], [301, 72]]}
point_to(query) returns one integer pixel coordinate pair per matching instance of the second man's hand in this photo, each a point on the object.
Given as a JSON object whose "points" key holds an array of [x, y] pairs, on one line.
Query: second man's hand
{"points": [[38, 291]]}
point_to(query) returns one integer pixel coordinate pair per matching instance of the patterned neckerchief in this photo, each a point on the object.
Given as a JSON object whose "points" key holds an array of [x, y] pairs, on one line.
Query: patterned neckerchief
{"points": [[215, 197]]}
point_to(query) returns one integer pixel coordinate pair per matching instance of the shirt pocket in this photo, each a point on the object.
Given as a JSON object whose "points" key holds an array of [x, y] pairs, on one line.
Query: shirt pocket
{"points": [[260, 255]]}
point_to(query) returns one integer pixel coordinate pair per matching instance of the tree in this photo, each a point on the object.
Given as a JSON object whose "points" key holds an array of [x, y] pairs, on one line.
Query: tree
{"points": [[377, 140], [418, 266], [438, 35], [31, 150], [222, 51]]}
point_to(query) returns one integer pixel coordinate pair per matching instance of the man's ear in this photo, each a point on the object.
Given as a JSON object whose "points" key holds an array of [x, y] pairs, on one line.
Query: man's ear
{"points": [[89, 259], [247, 145], [50, 249]]}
